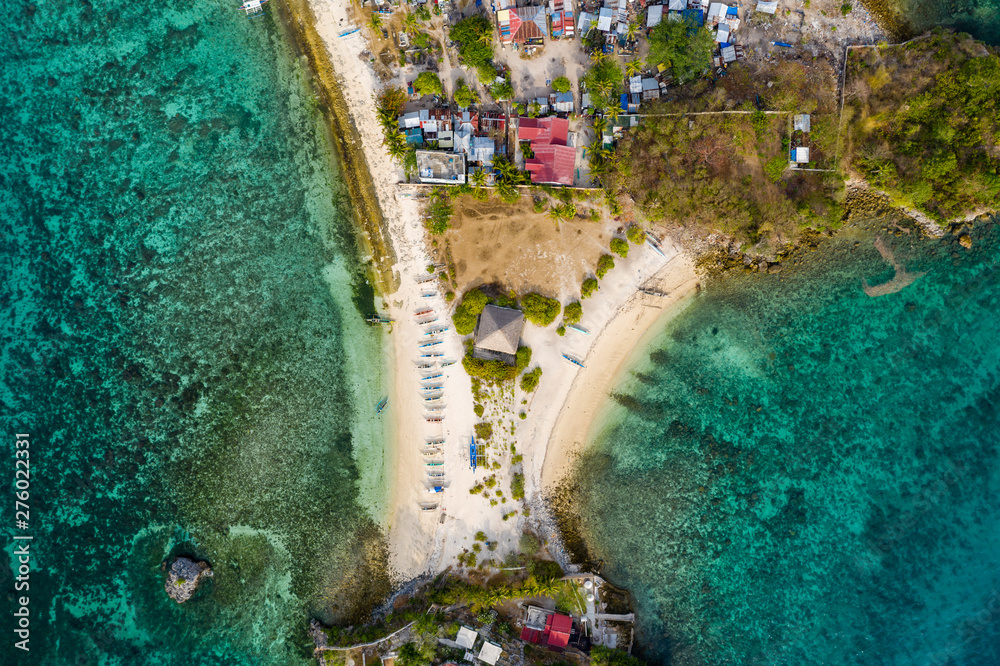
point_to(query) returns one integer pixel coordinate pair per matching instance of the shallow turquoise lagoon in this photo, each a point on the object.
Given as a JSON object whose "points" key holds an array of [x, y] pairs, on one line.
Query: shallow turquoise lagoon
{"points": [[796, 473], [183, 337]]}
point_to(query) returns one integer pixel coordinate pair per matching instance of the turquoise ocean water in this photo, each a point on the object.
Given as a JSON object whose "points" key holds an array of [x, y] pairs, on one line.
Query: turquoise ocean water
{"points": [[182, 301], [797, 473], [979, 18]]}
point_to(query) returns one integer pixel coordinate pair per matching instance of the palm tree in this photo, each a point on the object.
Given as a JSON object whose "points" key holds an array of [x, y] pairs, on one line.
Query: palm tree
{"points": [[633, 30], [410, 22], [600, 124], [634, 67], [479, 178], [376, 21], [598, 56]]}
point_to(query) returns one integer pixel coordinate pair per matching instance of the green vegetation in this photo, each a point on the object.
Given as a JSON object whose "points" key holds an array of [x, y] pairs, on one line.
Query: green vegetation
{"points": [[508, 178], [564, 211], [573, 312], [494, 371], [468, 311], [620, 247], [517, 486], [540, 310], [474, 36], [484, 431], [481, 536], [529, 544], [604, 264], [439, 211], [605, 656], [923, 124], [635, 234], [464, 95], [502, 91], [529, 380], [683, 46], [427, 83], [729, 173], [180, 581], [561, 330], [589, 287], [389, 104], [604, 81], [412, 654], [478, 409], [561, 84]]}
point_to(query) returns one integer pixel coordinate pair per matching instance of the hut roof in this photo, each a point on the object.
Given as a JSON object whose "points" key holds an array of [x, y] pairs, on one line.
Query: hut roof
{"points": [[499, 329]]}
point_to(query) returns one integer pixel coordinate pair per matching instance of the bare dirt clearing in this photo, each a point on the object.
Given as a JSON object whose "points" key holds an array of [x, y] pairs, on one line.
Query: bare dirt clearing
{"points": [[512, 245]]}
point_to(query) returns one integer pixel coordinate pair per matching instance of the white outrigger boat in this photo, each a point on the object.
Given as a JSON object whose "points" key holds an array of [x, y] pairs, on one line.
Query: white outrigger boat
{"points": [[253, 7]]}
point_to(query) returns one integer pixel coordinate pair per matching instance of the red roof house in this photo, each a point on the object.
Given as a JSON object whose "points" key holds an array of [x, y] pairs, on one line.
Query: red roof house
{"points": [[556, 633], [554, 161]]}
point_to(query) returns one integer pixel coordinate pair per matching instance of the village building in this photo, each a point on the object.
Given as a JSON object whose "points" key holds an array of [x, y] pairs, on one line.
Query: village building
{"points": [[498, 334], [561, 18], [439, 167], [522, 25], [554, 160], [490, 653], [547, 628], [562, 102]]}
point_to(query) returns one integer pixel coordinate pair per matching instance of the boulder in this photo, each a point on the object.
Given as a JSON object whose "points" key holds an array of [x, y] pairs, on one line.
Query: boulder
{"points": [[184, 577]]}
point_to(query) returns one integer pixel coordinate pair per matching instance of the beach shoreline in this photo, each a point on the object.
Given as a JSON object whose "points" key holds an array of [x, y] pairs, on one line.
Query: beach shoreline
{"points": [[627, 335]]}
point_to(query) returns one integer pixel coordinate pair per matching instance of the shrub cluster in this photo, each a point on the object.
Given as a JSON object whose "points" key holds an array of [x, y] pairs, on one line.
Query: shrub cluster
{"points": [[529, 380], [540, 310], [573, 312], [468, 310], [604, 264]]}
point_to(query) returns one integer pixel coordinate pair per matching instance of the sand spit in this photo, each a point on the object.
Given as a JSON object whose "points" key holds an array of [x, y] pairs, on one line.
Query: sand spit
{"points": [[431, 401]]}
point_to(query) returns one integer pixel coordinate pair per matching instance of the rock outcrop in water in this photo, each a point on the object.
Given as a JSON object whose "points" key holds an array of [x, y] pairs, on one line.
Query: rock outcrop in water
{"points": [[900, 281], [184, 577]]}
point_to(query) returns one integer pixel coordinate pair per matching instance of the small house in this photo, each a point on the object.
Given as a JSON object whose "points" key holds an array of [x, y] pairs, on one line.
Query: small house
{"points": [[498, 334], [439, 167]]}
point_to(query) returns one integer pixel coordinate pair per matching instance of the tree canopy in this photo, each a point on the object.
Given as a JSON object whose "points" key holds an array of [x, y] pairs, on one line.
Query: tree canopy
{"points": [[474, 36], [540, 310], [683, 46], [428, 83], [604, 81], [468, 310], [561, 84]]}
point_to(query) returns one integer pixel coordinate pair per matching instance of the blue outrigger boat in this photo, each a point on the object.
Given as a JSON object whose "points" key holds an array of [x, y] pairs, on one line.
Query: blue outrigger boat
{"points": [[381, 405], [579, 329], [472, 453], [573, 361]]}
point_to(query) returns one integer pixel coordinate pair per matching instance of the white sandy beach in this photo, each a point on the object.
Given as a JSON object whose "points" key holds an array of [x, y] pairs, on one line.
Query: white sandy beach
{"points": [[616, 318]]}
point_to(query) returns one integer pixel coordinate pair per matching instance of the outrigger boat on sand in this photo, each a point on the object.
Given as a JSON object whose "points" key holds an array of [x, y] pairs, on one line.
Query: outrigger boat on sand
{"points": [[431, 344], [429, 507], [445, 364], [378, 319], [579, 329], [472, 453], [424, 312], [573, 361], [437, 376], [432, 355], [436, 387], [433, 419], [435, 441], [435, 489], [381, 405], [435, 463]]}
